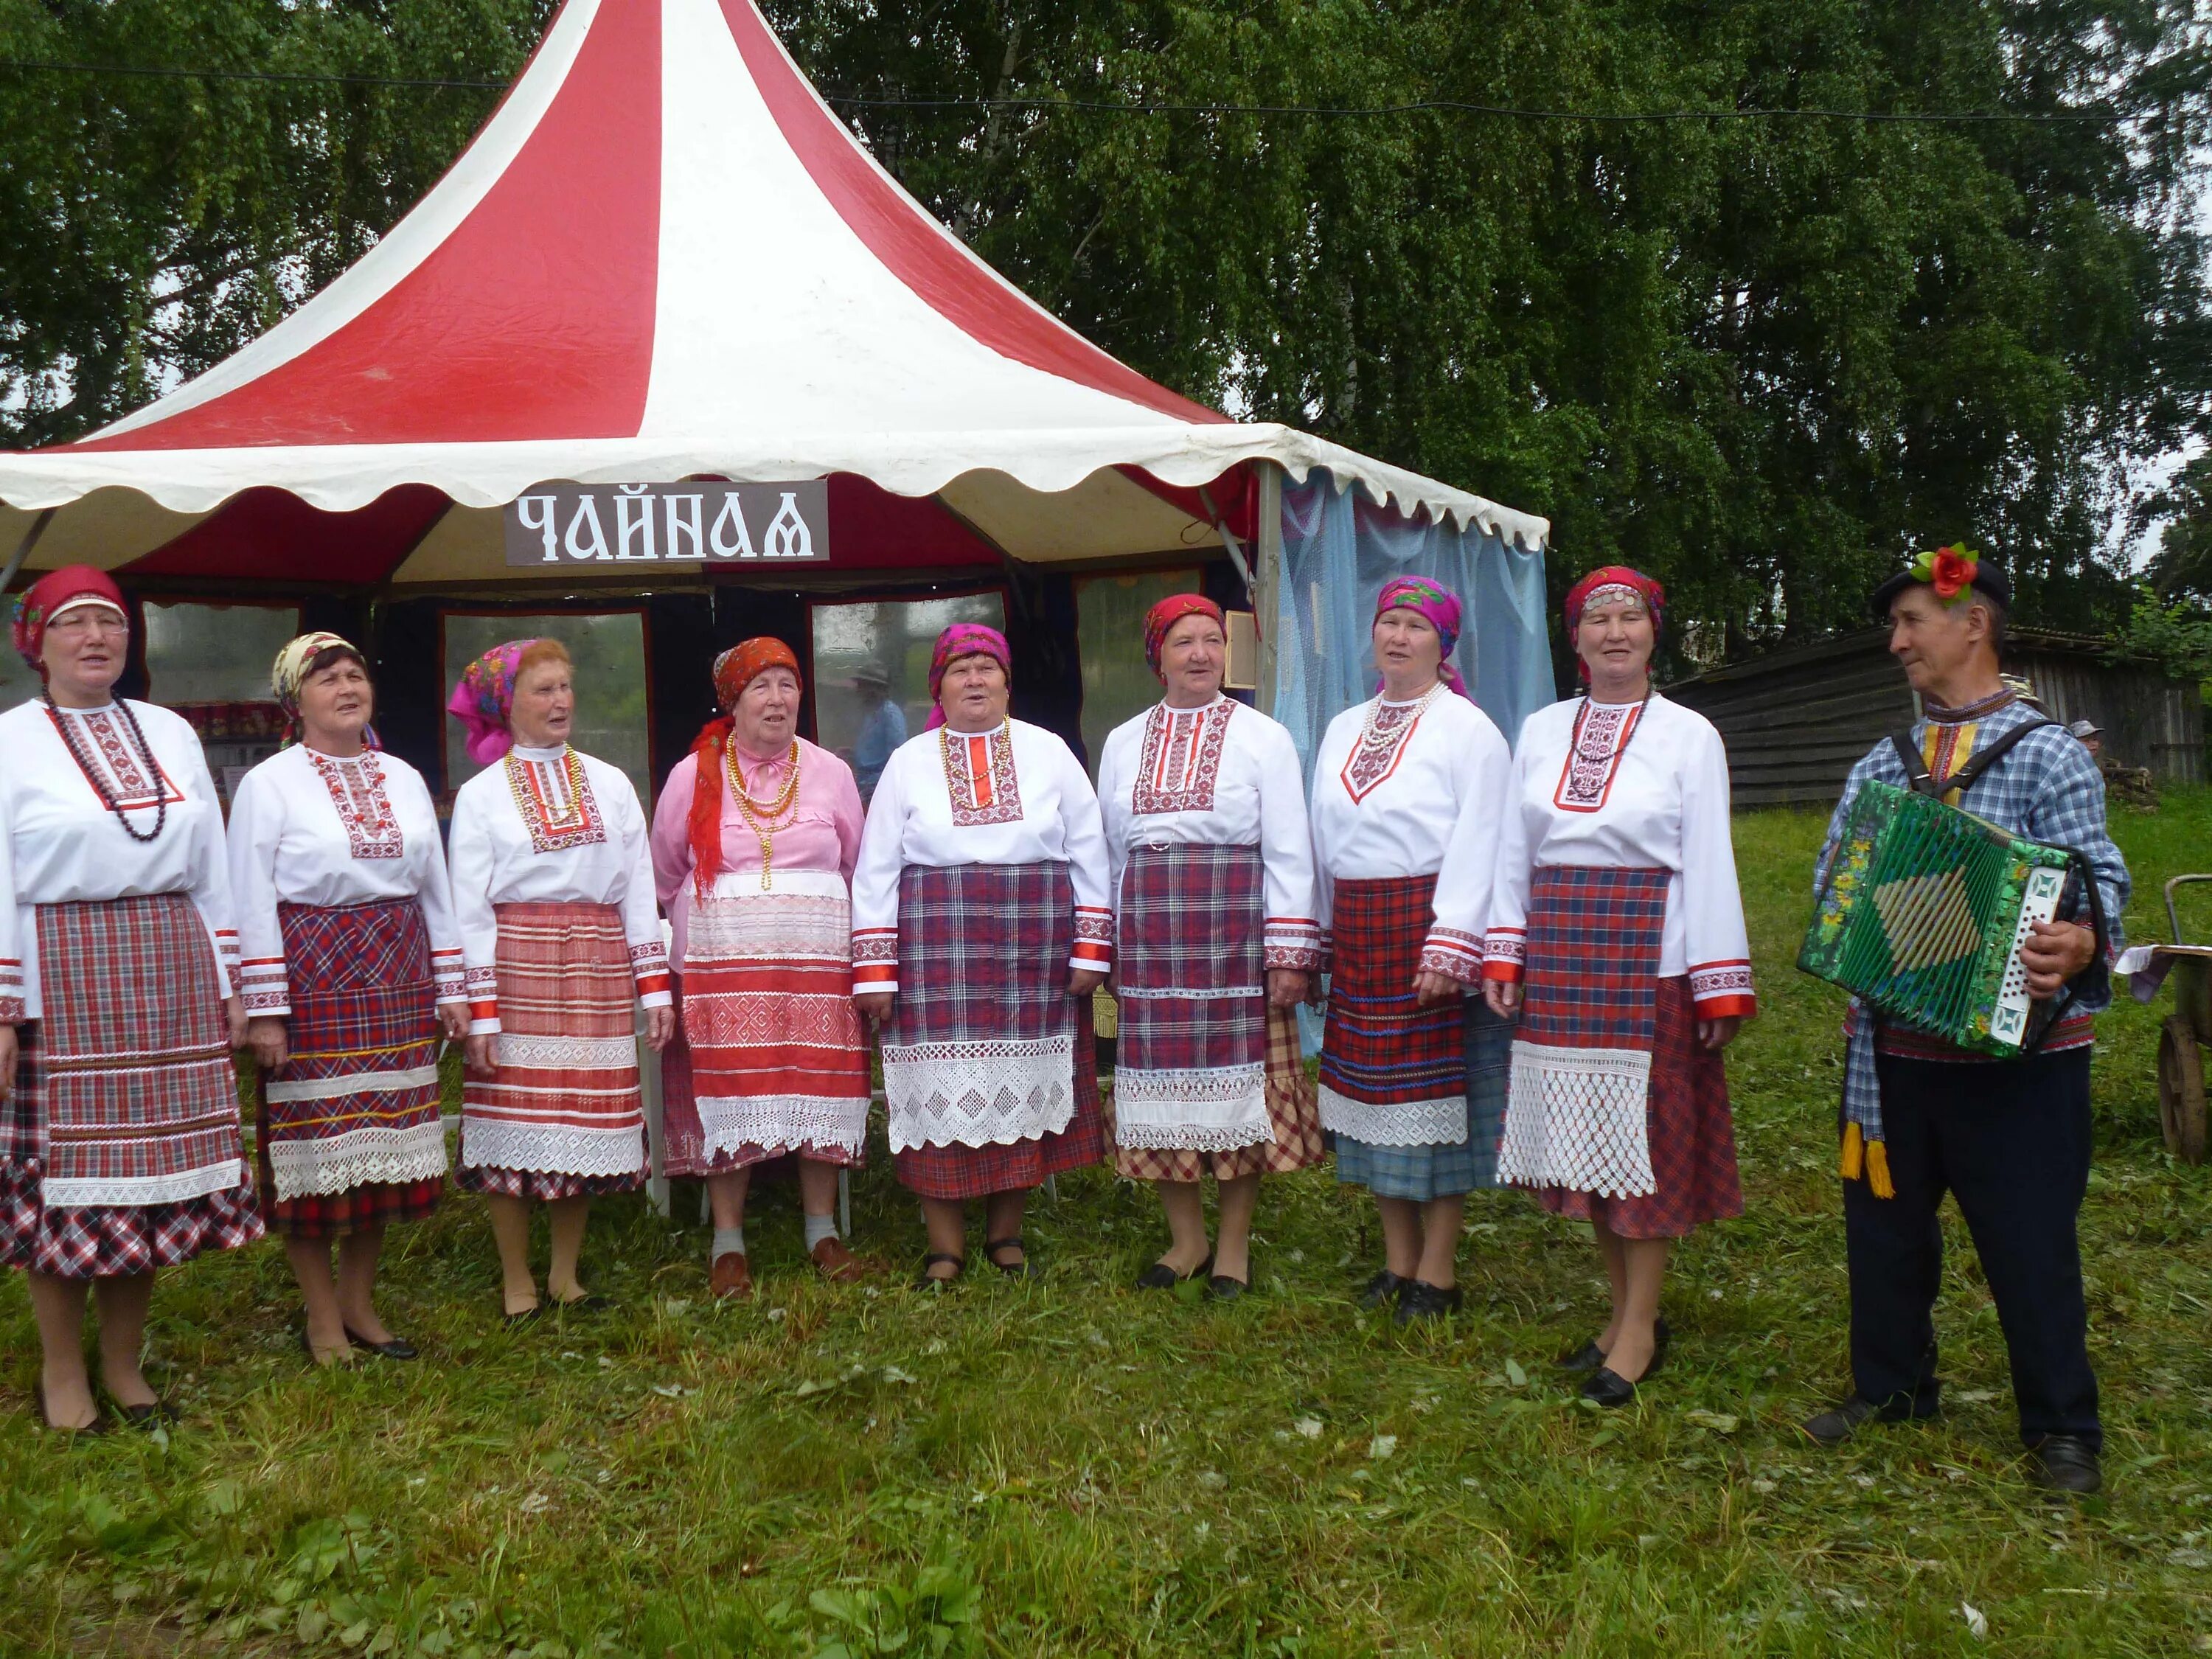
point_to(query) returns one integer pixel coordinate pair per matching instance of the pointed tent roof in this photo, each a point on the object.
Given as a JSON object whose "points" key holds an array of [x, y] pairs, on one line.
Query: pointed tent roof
{"points": [[663, 258]]}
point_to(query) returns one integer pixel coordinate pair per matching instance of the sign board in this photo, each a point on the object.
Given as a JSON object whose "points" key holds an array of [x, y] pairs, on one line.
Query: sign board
{"points": [[690, 526]]}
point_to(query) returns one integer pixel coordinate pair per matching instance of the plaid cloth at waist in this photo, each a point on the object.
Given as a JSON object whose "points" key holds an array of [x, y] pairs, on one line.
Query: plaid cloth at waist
{"points": [[1379, 1044], [1592, 962], [1189, 960]]}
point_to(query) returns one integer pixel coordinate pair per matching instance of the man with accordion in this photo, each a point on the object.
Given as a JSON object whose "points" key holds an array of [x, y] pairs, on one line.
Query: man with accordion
{"points": [[1972, 1021]]}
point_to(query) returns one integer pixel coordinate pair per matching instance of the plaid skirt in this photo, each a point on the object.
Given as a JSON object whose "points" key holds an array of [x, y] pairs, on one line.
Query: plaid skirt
{"points": [[1392, 1073], [684, 1153], [1191, 990], [1295, 1139], [564, 1116], [122, 1149], [1445, 1170], [358, 1101], [989, 1065]]}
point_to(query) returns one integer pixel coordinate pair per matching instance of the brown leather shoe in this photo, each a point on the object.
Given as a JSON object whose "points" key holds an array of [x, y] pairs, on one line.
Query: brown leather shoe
{"points": [[731, 1277], [837, 1264]]}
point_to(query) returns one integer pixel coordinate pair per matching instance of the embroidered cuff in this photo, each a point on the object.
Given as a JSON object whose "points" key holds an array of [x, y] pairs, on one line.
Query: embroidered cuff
{"points": [[1505, 953], [448, 976], [1723, 990], [262, 985], [653, 992], [875, 959], [482, 989], [1292, 942], [1456, 955], [12, 1000], [1094, 938]]}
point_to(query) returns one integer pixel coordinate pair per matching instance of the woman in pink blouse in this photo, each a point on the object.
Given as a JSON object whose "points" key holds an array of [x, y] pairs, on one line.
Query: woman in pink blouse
{"points": [[753, 844]]}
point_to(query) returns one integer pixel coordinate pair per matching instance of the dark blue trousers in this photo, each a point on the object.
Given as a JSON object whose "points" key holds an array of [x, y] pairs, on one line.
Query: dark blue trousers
{"points": [[2009, 1139]]}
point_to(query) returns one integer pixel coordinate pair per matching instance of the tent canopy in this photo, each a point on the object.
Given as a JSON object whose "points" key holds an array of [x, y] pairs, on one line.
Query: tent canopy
{"points": [[664, 258]]}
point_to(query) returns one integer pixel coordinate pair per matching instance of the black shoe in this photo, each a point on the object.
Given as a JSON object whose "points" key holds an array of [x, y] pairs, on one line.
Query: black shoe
{"points": [[2066, 1463], [925, 1280], [1159, 1276], [98, 1425], [1421, 1300], [1843, 1419], [1385, 1286], [1608, 1388], [1589, 1356], [1222, 1288], [533, 1311], [1020, 1269], [590, 1302], [154, 1414], [397, 1348]]}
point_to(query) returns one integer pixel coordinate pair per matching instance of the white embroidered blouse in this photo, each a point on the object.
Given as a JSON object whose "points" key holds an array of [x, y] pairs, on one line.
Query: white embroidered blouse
{"points": [[60, 844], [1629, 785], [551, 826], [319, 829], [1397, 787], [1222, 775], [1013, 795]]}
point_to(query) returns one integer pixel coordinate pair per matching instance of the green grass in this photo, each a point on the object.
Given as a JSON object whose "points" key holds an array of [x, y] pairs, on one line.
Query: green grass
{"points": [[1070, 1467]]}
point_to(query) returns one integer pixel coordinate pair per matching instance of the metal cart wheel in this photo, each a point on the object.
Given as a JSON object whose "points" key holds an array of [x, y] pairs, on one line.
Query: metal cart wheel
{"points": [[2181, 1090]]}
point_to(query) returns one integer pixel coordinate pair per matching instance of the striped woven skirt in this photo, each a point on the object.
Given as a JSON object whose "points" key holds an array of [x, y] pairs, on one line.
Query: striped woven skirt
{"points": [[564, 1116], [122, 1149], [989, 1065], [1392, 1073], [352, 1135]]}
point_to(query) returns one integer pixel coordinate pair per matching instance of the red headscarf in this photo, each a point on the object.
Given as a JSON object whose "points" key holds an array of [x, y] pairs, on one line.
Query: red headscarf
{"points": [[51, 594], [734, 670], [965, 639], [1606, 580], [1166, 614]]}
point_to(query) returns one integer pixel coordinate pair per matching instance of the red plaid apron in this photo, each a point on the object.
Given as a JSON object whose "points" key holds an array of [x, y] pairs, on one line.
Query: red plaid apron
{"points": [[1392, 1073]]}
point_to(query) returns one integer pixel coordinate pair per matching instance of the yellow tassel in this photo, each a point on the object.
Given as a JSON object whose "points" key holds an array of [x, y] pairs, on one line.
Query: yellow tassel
{"points": [[1851, 1163], [1877, 1164]]}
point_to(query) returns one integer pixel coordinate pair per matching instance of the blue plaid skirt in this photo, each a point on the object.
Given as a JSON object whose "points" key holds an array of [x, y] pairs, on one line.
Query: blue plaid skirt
{"points": [[1443, 1170]]}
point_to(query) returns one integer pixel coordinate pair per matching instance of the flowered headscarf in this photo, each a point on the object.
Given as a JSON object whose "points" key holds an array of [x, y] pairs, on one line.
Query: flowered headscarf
{"points": [[1166, 614], [734, 670], [739, 666], [54, 593], [290, 672], [1441, 606], [965, 639], [1606, 583], [483, 701]]}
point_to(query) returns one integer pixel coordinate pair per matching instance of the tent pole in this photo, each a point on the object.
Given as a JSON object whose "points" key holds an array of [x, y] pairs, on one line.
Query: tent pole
{"points": [[1267, 592], [38, 528]]}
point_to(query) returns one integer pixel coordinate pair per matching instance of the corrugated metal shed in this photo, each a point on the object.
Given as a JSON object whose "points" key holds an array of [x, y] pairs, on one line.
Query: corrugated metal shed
{"points": [[1796, 720]]}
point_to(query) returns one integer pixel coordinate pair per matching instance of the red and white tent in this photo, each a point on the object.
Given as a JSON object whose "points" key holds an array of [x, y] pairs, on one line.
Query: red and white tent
{"points": [[664, 258]]}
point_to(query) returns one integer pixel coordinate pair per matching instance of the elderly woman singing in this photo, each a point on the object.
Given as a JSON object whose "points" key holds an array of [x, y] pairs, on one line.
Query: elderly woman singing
{"points": [[119, 965], [1215, 936], [753, 844], [981, 928], [352, 972], [553, 890]]}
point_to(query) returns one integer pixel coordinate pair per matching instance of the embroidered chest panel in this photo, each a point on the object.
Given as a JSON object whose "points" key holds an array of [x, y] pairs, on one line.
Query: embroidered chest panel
{"points": [[123, 769], [1600, 739], [556, 801], [356, 789], [979, 775], [1181, 758], [1382, 745]]}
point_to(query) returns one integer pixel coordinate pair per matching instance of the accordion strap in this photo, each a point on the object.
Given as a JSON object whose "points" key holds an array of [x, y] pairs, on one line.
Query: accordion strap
{"points": [[1924, 782]]}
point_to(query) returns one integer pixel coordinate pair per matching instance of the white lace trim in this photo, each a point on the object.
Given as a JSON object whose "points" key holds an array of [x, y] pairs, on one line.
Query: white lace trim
{"points": [[136, 1192], [549, 1151], [567, 1053], [977, 1094], [1190, 993], [730, 1122], [1439, 1122], [1200, 1109], [338, 1162], [360, 1083], [1578, 1118]]}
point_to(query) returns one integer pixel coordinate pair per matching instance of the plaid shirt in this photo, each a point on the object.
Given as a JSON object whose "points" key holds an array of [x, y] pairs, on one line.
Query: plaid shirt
{"points": [[2044, 789]]}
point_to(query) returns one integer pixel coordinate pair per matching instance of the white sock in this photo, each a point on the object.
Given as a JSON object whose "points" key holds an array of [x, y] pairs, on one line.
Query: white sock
{"points": [[819, 1227], [728, 1241]]}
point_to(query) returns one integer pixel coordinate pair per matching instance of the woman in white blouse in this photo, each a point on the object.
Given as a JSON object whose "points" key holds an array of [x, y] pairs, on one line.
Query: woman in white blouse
{"points": [[352, 972], [119, 1144], [1214, 938], [1617, 935], [553, 892], [981, 928], [1411, 1073]]}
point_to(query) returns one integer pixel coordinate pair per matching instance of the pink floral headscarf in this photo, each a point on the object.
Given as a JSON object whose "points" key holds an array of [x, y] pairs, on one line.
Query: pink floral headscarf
{"points": [[1433, 600], [483, 701], [965, 639]]}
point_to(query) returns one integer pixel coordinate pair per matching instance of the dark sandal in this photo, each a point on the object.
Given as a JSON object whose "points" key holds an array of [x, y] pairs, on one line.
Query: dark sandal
{"points": [[1021, 1269], [925, 1280]]}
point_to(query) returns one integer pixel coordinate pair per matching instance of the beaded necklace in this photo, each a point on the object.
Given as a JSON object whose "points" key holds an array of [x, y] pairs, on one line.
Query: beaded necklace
{"points": [[760, 817], [556, 823], [98, 779]]}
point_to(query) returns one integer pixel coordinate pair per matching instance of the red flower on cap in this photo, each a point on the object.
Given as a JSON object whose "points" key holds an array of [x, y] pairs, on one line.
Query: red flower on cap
{"points": [[1952, 572]]}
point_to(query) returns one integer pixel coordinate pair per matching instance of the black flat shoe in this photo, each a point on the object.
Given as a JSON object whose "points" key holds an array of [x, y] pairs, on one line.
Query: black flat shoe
{"points": [[2066, 1463], [154, 1414], [533, 1311], [1161, 1277], [1608, 1388], [590, 1302], [1385, 1286], [1589, 1356], [1222, 1288], [925, 1280], [397, 1348], [1843, 1419], [98, 1425], [1021, 1269], [1421, 1300]]}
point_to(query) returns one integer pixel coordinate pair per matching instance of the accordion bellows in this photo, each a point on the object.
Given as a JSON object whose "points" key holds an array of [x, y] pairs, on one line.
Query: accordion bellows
{"points": [[1923, 915]]}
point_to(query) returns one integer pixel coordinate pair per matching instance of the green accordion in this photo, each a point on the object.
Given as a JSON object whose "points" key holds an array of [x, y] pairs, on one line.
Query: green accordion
{"points": [[1923, 915]]}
